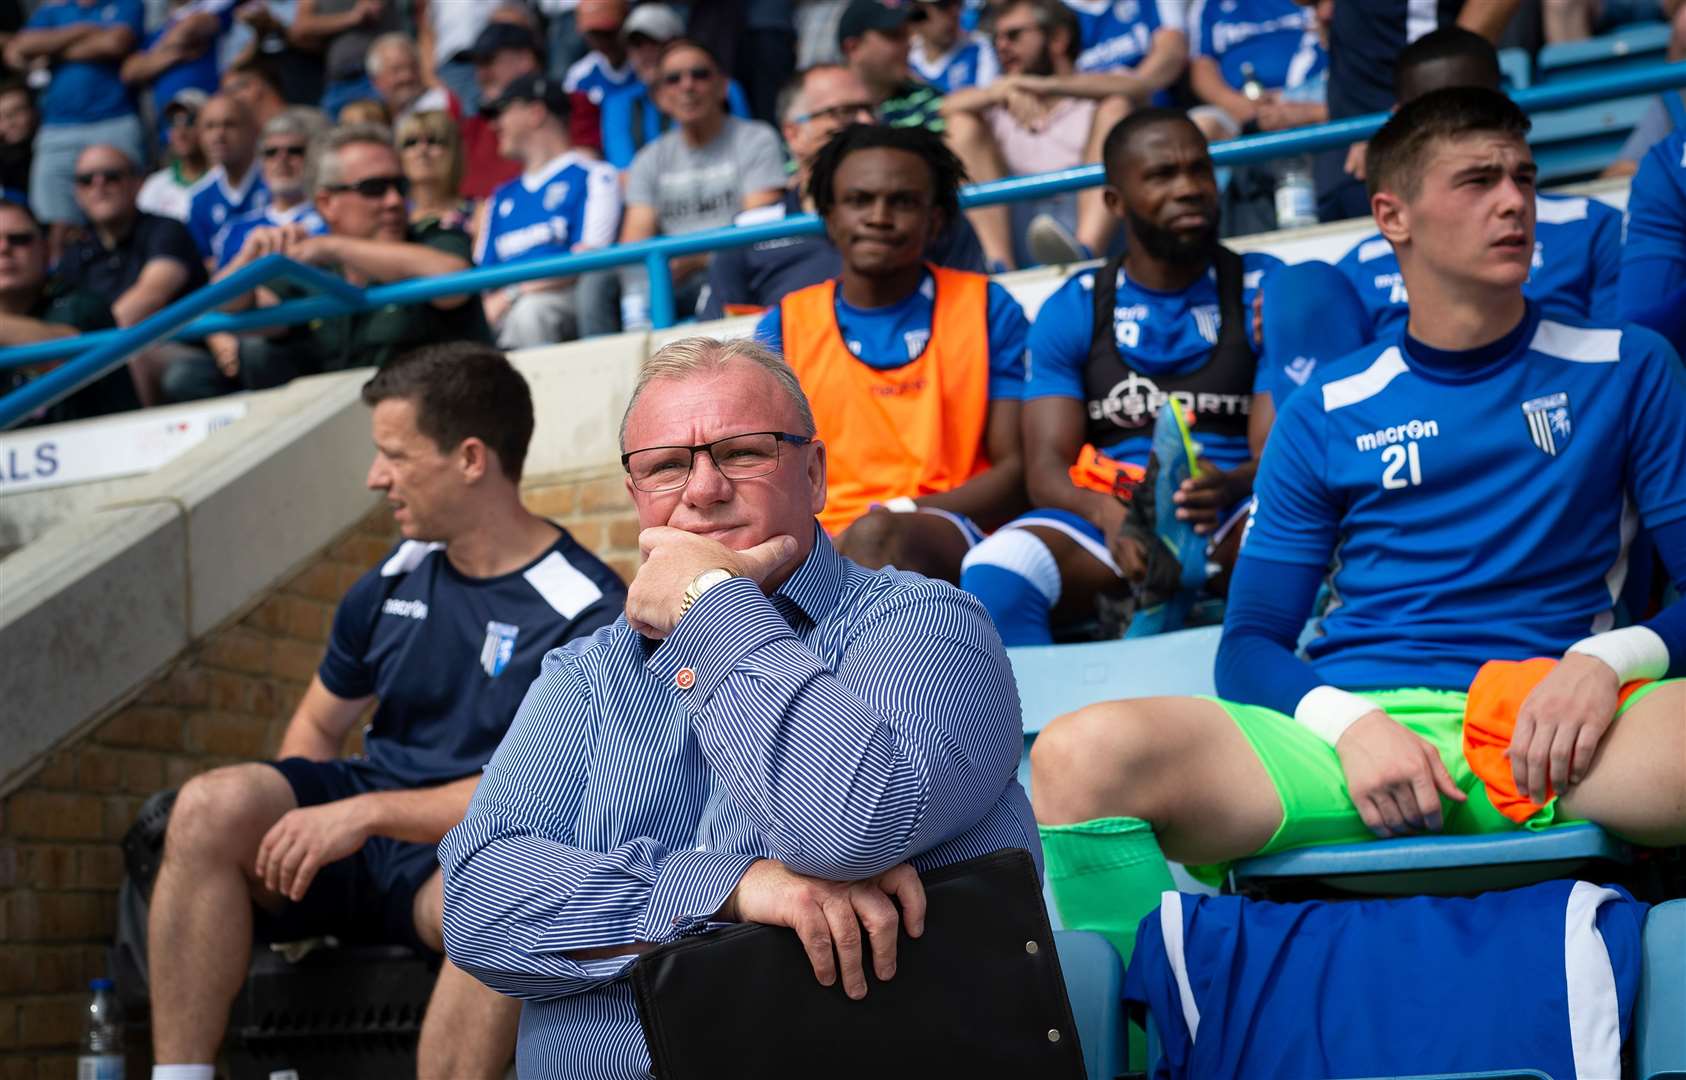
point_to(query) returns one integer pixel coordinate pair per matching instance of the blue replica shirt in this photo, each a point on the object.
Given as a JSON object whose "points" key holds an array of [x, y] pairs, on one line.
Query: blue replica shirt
{"points": [[889, 337], [86, 91], [1543, 978], [1653, 286], [1277, 37], [570, 204], [858, 719], [630, 120], [450, 657], [594, 76], [203, 71], [213, 204], [234, 236], [1119, 33], [1576, 272], [1474, 506], [1157, 333], [971, 62]]}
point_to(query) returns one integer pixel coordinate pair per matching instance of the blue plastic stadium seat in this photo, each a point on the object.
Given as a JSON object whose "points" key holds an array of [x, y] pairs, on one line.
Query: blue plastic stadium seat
{"points": [[1515, 69], [1581, 141], [1659, 1024], [1437, 865], [1094, 981], [1640, 41]]}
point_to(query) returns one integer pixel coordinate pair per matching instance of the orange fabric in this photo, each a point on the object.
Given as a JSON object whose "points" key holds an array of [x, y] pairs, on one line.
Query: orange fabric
{"points": [[743, 309], [912, 430], [1097, 472], [1495, 698]]}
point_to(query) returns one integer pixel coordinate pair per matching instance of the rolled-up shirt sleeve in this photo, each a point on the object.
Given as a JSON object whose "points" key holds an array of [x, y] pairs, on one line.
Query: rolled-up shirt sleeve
{"points": [[911, 741], [521, 895]]}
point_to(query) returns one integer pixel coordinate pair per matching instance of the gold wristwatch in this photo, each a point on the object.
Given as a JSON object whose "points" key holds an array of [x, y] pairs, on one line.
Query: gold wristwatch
{"points": [[700, 584]]}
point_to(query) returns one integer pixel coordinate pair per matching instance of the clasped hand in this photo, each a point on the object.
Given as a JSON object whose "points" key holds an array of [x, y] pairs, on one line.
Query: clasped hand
{"points": [[829, 916], [672, 560], [304, 841]]}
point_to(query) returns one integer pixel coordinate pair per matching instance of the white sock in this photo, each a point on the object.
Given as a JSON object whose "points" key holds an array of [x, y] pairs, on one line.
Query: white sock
{"points": [[184, 1072]]}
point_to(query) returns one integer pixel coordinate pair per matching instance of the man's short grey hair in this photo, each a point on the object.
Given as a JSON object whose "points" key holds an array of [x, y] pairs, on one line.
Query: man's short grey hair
{"points": [[396, 39], [303, 121], [793, 98], [329, 173], [705, 355]]}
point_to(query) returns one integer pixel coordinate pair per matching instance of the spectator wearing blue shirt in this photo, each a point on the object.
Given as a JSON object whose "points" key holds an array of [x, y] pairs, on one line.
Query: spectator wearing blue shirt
{"points": [[1273, 41], [1131, 35], [916, 371], [563, 201], [771, 732], [603, 72], [1168, 321], [443, 638], [1653, 279], [82, 43], [182, 53], [234, 185], [942, 54]]}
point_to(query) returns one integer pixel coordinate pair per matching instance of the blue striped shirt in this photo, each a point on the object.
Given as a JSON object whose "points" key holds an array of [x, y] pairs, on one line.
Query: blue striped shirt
{"points": [[855, 720]]}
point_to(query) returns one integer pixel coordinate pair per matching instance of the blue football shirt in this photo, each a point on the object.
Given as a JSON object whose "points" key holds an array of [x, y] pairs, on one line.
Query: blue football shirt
{"points": [[1473, 506], [1119, 33], [234, 236], [1158, 333], [1277, 37], [1653, 286], [1576, 272], [450, 657], [214, 204], [890, 337], [86, 91], [971, 62], [572, 203], [594, 76]]}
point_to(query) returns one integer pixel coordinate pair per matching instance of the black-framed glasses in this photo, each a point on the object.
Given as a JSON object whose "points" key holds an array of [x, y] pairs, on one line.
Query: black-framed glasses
{"points": [[849, 110], [108, 176], [19, 239], [422, 140], [375, 187], [272, 152], [697, 74], [738, 457]]}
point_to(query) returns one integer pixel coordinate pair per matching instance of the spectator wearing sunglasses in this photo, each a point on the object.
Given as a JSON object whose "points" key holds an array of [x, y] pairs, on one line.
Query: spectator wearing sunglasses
{"points": [[234, 187], [943, 54], [360, 192], [431, 148], [698, 176], [169, 191], [140, 261], [563, 201], [35, 307]]}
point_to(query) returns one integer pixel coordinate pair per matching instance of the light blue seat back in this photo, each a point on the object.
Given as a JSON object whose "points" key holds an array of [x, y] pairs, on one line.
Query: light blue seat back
{"points": [[1659, 1024], [1094, 981]]}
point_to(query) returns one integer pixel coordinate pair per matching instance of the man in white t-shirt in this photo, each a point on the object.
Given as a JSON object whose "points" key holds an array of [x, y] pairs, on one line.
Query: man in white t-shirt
{"points": [[168, 192]]}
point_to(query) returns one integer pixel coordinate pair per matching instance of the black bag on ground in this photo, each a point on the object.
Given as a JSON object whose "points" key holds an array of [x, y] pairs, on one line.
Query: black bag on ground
{"points": [[980, 993]]}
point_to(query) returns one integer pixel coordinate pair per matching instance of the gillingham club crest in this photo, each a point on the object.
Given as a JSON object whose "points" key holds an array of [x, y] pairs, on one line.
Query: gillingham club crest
{"points": [[499, 647], [1549, 422]]}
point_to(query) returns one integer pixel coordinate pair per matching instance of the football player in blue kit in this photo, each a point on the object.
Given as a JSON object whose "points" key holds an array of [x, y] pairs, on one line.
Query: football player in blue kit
{"points": [[1467, 486], [1166, 321], [442, 638], [1653, 284]]}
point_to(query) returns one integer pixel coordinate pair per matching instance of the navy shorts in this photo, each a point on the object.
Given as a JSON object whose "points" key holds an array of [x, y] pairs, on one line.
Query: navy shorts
{"points": [[365, 898]]}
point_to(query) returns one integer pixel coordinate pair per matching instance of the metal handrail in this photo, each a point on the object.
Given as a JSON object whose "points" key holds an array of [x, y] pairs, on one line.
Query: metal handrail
{"points": [[189, 317]]}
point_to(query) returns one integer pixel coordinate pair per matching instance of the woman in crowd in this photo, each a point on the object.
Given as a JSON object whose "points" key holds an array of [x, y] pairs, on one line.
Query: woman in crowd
{"points": [[431, 150]]}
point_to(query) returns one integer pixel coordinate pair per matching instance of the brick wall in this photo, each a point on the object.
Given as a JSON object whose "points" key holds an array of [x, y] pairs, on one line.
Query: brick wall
{"points": [[227, 699]]}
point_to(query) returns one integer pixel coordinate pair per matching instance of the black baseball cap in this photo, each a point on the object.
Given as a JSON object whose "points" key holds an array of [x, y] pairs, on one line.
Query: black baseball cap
{"points": [[499, 36], [863, 15], [528, 88]]}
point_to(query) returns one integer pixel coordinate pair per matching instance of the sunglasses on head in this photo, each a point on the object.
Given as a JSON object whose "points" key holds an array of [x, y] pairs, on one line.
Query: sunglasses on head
{"points": [[697, 74], [421, 140], [109, 176], [270, 152], [375, 187]]}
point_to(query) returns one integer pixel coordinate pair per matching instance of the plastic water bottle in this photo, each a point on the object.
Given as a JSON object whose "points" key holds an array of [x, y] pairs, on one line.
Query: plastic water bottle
{"points": [[1251, 88], [102, 1035], [1296, 194]]}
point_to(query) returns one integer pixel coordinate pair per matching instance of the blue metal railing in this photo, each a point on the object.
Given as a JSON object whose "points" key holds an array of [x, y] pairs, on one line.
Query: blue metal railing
{"points": [[190, 317]]}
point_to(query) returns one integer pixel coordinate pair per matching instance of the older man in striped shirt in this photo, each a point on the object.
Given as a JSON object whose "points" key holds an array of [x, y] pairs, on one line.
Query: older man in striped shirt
{"points": [[771, 734]]}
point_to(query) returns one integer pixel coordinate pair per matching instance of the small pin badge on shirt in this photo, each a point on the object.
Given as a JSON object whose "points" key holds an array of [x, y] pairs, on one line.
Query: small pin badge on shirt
{"points": [[684, 678]]}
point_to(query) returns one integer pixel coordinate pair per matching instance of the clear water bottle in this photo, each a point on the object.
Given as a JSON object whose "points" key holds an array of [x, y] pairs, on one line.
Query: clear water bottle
{"points": [[1296, 194], [102, 1035]]}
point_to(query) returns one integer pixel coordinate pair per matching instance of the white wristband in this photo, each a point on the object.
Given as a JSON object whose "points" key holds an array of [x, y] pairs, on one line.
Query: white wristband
{"points": [[1328, 711], [1633, 652], [901, 504]]}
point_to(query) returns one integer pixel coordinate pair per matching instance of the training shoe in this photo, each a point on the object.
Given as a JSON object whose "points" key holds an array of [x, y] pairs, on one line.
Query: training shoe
{"points": [[1052, 244]]}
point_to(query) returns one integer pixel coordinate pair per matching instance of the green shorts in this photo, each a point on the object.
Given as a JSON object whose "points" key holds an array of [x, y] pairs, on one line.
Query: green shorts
{"points": [[1306, 771]]}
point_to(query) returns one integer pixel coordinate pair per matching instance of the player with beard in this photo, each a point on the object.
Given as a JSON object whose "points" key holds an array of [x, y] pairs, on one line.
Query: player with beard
{"points": [[1165, 321]]}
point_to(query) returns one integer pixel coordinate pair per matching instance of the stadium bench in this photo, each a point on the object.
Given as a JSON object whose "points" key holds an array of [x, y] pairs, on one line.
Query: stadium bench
{"points": [[1568, 59], [1094, 982], [1581, 141], [1435, 865], [1659, 1023]]}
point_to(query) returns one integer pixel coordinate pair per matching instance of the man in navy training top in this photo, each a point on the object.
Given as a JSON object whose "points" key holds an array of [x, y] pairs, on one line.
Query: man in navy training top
{"points": [[1468, 485], [563, 201], [820, 102], [1653, 279], [915, 370], [773, 734], [444, 637], [1167, 321]]}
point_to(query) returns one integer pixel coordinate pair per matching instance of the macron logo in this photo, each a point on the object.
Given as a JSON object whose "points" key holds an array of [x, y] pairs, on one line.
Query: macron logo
{"points": [[1375, 440], [409, 609]]}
